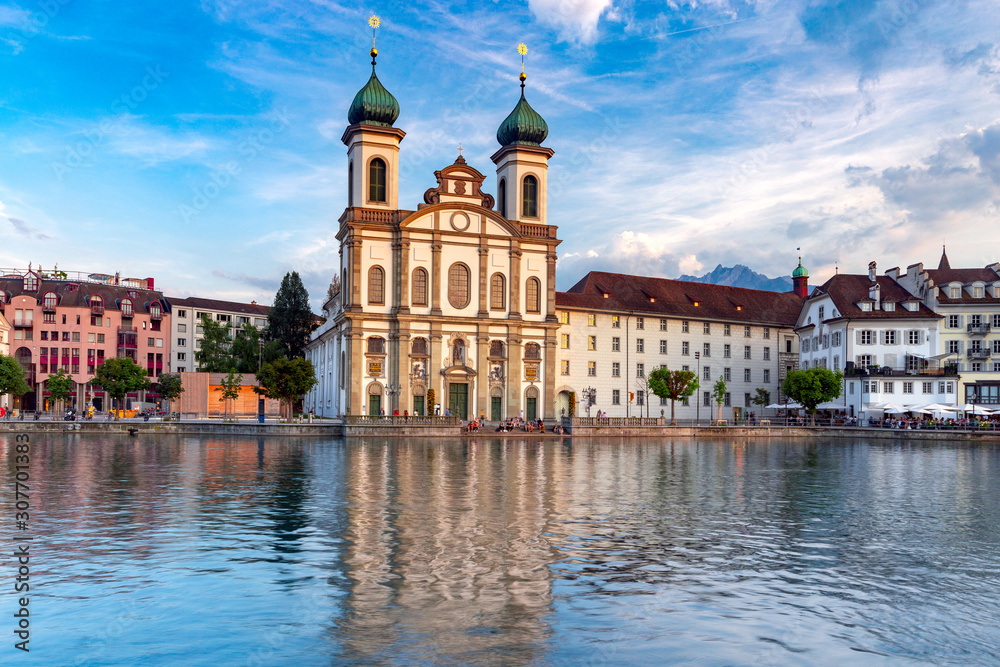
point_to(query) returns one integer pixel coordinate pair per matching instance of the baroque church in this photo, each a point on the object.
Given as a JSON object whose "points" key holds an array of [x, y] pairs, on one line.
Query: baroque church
{"points": [[454, 301]]}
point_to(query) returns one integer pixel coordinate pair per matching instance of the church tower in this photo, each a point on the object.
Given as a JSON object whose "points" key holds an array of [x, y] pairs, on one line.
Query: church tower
{"points": [[522, 162], [800, 281]]}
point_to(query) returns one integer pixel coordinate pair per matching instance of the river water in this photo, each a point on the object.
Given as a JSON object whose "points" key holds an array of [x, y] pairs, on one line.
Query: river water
{"points": [[230, 551]]}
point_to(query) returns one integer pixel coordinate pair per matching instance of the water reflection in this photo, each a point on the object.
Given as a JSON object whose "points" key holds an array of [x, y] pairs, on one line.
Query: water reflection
{"points": [[480, 551]]}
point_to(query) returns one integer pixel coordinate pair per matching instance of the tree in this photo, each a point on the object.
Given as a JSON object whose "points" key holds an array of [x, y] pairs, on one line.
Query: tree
{"points": [[719, 392], [60, 386], [230, 390], [674, 385], [762, 398], [13, 380], [290, 320], [119, 377], [214, 355], [246, 351], [334, 288], [813, 386], [286, 380], [169, 387]]}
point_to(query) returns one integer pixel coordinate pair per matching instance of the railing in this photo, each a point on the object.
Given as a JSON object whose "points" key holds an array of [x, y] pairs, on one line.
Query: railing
{"points": [[97, 309], [536, 231], [979, 329], [978, 354], [617, 421], [395, 420], [80, 277], [23, 324], [371, 216], [48, 307]]}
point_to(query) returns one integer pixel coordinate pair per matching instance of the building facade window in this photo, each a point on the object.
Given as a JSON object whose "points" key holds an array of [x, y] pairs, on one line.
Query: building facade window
{"points": [[640, 345], [418, 289], [592, 368], [498, 287], [591, 320], [685, 326], [376, 181], [502, 197], [616, 344], [663, 347], [529, 197], [767, 354], [640, 370], [458, 285], [565, 366], [746, 351], [616, 397], [727, 374], [591, 342], [616, 369], [746, 375], [640, 323], [376, 285], [707, 328], [746, 332], [663, 325], [685, 348], [532, 294], [564, 341], [616, 322], [707, 349], [767, 375]]}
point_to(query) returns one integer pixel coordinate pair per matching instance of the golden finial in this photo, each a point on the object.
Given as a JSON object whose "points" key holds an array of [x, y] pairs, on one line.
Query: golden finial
{"points": [[374, 22], [522, 48]]}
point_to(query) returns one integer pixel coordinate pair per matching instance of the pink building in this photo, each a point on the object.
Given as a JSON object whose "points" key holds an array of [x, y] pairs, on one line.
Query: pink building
{"points": [[75, 322]]}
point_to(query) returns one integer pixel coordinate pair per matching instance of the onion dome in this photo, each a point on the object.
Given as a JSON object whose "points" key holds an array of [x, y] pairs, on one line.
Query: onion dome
{"points": [[524, 126], [801, 271], [373, 105]]}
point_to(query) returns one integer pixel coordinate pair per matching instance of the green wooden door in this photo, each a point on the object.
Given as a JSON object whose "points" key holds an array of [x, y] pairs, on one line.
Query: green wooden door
{"points": [[458, 400], [496, 408], [418, 405], [374, 405], [531, 409]]}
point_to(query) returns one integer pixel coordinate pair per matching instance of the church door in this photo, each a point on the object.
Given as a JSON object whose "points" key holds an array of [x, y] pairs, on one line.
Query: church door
{"points": [[458, 400], [496, 408], [418, 405], [374, 405], [531, 409]]}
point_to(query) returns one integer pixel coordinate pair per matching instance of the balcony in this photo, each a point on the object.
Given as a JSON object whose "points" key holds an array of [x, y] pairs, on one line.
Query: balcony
{"points": [[97, 309], [48, 307], [978, 355], [23, 324], [978, 329], [156, 315]]}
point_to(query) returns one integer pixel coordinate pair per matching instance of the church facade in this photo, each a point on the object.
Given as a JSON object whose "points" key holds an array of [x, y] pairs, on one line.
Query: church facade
{"points": [[451, 305]]}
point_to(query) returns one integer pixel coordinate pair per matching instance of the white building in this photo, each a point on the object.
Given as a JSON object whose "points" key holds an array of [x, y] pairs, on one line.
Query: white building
{"points": [[968, 301], [616, 329], [456, 296], [186, 330], [882, 337]]}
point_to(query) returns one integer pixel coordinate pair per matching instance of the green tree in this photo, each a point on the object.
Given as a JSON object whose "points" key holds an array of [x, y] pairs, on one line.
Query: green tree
{"points": [[13, 380], [119, 377], [813, 386], [290, 321], [673, 385], [215, 355], [762, 398], [169, 388], [60, 386], [286, 380], [230, 390], [719, 392], [246, 350]]}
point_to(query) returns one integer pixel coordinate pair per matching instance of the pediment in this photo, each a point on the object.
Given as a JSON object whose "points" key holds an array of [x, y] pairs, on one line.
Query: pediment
{"points": [[459, 182]]}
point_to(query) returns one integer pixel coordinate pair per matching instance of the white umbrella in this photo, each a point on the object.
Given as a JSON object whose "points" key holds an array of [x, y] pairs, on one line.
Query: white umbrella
{"points": [[786, 406], [830, 405], [979, 410], [940, 407], [920, 411], [895, 409]]}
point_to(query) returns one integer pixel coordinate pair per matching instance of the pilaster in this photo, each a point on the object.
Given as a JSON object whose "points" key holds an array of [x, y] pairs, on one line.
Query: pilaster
{"points": [[436, 275], [484, 288], [548, 397], [434, 371], [482, 370], [515, 279], [550, 286], [515, 376]]}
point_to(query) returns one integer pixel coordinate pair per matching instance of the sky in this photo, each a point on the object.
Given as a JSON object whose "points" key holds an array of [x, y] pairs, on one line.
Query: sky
{"points": [[198, 142]]}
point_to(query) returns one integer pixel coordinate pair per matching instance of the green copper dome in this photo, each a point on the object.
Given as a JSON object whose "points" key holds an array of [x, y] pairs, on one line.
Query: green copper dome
{"points": [[373, 105], [800, 272], [523, 127]]}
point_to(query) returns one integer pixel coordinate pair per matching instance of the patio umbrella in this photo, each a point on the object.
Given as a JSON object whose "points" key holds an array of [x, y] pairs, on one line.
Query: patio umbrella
{"points": [[893, 409]]}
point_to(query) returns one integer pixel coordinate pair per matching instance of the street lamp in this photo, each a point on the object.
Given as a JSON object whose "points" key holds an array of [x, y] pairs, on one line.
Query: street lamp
{"points": [[697, 398], [589, 395], [394, 390]]}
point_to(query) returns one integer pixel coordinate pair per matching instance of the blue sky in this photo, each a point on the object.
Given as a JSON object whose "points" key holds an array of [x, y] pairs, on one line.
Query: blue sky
{"points": [[199, 142]]}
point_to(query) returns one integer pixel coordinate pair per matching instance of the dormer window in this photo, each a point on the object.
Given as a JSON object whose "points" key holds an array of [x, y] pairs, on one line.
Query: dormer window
{"points": [[912, 306], [889, 306], [955, 292], [3, 297], [866, 306], [155, 311], [30, 282], [127, 308], [50, 301], [977, 292], [821, 309]]}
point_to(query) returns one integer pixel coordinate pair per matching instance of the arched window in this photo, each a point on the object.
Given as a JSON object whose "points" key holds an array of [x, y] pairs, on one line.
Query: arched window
{"points": [[532, 294], [532, 351], [502, 197], [376, 180], [497, 350], [50, 301], [376, 285], [458, 285], [96, 305], [155, 311], [127, 308], [3, 297], [529, 197], [497, 285], [418, 291], [30, 282], [350, 183], [376, 345], [419, 347]]}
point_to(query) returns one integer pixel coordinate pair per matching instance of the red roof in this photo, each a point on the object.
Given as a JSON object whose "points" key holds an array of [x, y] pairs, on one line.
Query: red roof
{"points": [[661, 297], [847, 290]]}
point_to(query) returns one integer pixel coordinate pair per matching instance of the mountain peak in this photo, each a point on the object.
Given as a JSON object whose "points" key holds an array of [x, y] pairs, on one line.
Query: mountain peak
{"points": [[741, 276]]}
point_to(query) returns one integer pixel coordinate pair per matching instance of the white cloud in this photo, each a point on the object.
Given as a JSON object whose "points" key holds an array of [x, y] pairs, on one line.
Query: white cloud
{"points": [[576, 19], [690, 265]]}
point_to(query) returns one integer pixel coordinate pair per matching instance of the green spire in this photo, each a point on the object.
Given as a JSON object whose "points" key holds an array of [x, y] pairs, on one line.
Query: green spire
{"points": [[801, 271], [373, 105], [524, 126]]}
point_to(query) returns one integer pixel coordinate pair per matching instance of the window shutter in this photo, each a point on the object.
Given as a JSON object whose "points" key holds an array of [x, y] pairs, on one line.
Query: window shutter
{"points": [[961, 321], [857, 337]]}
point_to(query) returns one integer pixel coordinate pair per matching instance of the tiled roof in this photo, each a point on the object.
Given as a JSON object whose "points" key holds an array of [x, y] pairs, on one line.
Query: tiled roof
{"points": [[942, 277], [223, 306], [661, 297], [847, 290], [77, 295]]}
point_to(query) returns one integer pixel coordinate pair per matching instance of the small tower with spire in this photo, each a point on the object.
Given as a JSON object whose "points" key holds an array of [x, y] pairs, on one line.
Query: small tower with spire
{"points": [[522, 162], [944, 264], [373, 143], [800, 281]]}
